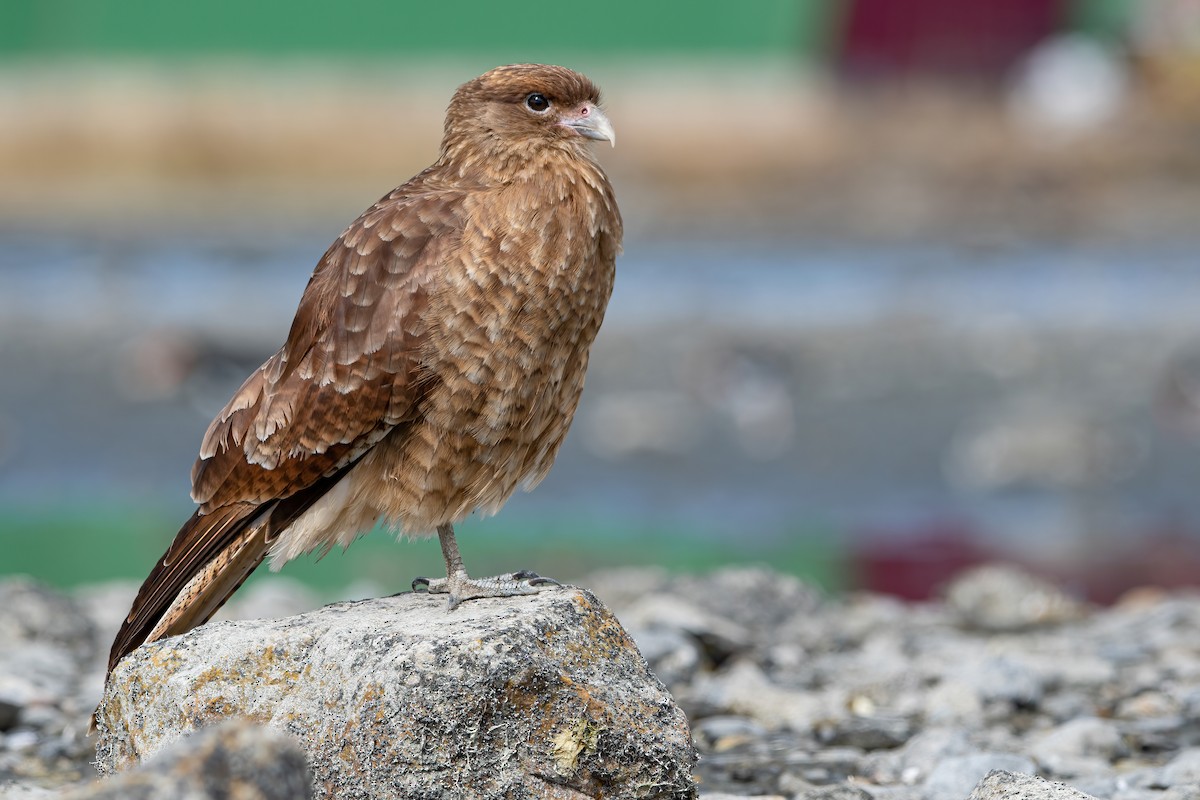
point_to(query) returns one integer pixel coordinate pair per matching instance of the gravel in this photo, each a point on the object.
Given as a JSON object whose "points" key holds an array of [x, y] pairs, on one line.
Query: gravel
{"points": [[790, 693]]}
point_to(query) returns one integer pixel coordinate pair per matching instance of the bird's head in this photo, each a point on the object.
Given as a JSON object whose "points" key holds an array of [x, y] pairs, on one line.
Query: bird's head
{"points": [[521, 108]]}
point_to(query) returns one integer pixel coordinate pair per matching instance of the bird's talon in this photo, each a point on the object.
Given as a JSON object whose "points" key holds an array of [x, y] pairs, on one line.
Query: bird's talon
{"points": [[422, 582], [525, 575], [538, 580]]}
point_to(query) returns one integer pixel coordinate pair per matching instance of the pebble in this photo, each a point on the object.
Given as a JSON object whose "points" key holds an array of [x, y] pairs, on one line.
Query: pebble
{"points": [[999, 597], [10, 712], [790, 693], [954, 778]]}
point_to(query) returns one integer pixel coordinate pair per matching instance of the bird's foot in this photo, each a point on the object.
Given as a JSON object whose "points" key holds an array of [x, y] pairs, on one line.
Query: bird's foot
{"points": [[461, 586]]}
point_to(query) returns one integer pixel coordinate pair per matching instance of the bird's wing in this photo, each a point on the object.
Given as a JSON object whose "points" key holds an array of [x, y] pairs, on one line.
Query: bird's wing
{"points": [[347, 375], [348, 371]]}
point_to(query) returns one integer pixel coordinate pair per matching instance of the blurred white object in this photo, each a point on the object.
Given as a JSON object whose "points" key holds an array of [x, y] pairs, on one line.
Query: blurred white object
{"points": [[1041, 444], [1068, 85]]}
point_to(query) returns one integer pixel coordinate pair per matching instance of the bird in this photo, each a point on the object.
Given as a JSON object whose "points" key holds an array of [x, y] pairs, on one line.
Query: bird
{"points": [[433, 366]]}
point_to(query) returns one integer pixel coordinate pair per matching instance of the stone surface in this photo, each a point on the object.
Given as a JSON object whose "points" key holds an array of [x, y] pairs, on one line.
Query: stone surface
{"points": [[954, 778], [542, 695], [47, 642], [1002, 785], [997, 597], [235, 759], [857, 691]]}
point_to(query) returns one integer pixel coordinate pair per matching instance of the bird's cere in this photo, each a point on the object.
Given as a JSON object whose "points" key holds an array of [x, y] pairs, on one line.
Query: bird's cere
{"points": [[591, 123]]}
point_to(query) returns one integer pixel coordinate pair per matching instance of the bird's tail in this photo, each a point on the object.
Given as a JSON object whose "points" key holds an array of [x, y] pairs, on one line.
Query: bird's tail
{"points": [[210, 558]]}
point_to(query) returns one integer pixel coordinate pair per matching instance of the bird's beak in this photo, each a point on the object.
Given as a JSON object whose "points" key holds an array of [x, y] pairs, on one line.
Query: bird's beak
{"points": [[590, 123]]}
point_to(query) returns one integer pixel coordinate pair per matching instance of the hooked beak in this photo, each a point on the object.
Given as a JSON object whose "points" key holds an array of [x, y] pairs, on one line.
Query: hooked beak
{"points": [[590, 123]]}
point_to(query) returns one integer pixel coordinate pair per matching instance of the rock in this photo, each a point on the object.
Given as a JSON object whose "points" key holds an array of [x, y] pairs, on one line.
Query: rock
{"points": [[920, 755], [9, 714], [837, 791], [1003, 785], [755, 599], [45, 639], [31, 612], [743, 689], [1062, 748], [1006, 679], [952, 702], [719, 637], [17, 791], [233, 759], [543, 695], [954, 777], [998, 597], [865, 732], [673, 655], [726, 731], [1181, 770]]}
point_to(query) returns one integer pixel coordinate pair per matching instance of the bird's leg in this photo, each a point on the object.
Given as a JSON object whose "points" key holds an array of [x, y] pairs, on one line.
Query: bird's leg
{"points": [[461, 586]]}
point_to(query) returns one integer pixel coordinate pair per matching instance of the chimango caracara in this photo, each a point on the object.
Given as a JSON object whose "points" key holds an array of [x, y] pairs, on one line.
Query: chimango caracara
{"points": [[434, 364]]}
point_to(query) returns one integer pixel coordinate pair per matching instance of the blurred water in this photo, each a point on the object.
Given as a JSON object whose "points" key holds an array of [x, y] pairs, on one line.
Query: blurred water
{"points": [[743, 388]]}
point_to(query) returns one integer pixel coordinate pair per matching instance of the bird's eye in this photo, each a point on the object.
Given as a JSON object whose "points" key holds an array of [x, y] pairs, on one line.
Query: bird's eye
{"points": [[537, 102]]}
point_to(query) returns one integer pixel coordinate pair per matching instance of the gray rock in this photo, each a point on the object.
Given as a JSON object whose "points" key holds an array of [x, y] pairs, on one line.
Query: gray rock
{"points": [[1084, 746], [19, 791], [756, 599], [1174, 793], [743, 689], [920, 755], [1189, 791], [233, 759], [398, 697], [837, 791], [719, 637], [1007, 679], [896, 793], [1006, 785], [954, 778], [726, 731], [10, 712], [952, 702], [673, 655], [31, 612], [1086, 736], [1068, 704], [999, 597], [865, 732], [37, 673], [1183, 769]]}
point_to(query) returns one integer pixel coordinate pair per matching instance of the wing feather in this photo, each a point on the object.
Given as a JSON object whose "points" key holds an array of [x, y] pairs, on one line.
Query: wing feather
{"points": [[349, 371]]}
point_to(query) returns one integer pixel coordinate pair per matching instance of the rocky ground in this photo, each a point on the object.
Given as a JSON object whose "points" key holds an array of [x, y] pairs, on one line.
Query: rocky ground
{"points": [[790, 693]]}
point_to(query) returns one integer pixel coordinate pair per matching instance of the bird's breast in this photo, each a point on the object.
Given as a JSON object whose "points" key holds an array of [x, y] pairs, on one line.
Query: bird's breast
{"points": [[510, 323]]}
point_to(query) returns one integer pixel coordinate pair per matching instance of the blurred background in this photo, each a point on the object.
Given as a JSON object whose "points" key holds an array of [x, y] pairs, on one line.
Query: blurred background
{"points": [[906, 286]]}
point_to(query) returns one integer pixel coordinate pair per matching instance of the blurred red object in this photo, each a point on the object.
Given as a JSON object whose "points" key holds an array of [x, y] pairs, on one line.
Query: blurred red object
{"points": [[914, 563], [972, 38]]}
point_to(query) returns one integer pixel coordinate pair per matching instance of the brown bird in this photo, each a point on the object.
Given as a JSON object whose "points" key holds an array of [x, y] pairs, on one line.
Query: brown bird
{"points": [[433, 366]]}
